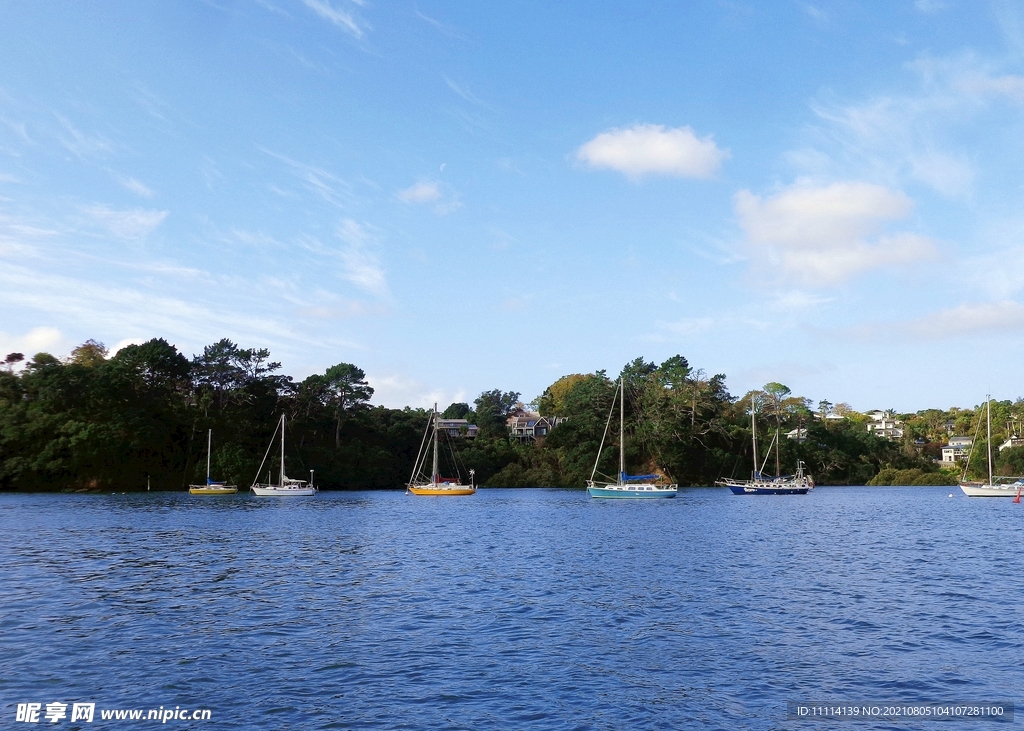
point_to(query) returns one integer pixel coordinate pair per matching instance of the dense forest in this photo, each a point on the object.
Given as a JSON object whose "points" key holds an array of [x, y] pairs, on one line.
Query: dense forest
{"points": [[139, 417]]}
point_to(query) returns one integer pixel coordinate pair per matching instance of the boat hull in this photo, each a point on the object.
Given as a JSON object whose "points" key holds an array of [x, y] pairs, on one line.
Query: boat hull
{"points": [[278, 491], [632, 491], [212, 489], [767, 490], [441, 490], [978, 489]]}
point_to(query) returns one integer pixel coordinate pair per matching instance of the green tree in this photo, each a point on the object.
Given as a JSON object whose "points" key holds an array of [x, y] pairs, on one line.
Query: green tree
{"points": [[492, 411], [348, 390], [456, 411]]}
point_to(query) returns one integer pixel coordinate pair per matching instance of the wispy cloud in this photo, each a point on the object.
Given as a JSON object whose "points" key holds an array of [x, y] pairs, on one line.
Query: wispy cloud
{"points": [[819, 236], [341, 309], [429, 191], [422, 192], [346, 21], [914, 136], [653, 149], [967, 320], [360, 266], [465, 93], [135, 223], [120, 308], [929, 6], [135, 186], [444, 28], [82, 144], [323, 183]]}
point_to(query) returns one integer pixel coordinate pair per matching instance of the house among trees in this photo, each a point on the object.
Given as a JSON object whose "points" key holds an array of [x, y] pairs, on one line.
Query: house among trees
{"points": [[798, 435], [885, 424], [957, 450], [457, 428], [528, 426], [1012, 441]]}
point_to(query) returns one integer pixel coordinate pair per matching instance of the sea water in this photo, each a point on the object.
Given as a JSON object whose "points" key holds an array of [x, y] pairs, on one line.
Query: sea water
{"points": [[509, 609]]}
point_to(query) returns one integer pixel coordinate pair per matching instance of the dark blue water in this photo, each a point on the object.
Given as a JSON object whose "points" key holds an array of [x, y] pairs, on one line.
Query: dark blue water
{"points": [[510, 609]]}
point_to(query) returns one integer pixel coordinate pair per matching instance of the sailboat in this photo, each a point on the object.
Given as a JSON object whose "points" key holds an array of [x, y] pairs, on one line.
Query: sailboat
{"points": [[285, 486], [625, 486], [211, 487], [420, 484], [1007, 486], [761, 484]]}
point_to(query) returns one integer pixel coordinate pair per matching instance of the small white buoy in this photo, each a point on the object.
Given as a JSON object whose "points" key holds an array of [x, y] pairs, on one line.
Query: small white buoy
{"points": [[951, 494]]}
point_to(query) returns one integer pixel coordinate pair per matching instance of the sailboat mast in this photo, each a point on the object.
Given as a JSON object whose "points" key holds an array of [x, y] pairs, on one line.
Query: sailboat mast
{"points": [[209, 441], [622, 429], [988, 440], [282, 450], [433, 475], [753, 431]]}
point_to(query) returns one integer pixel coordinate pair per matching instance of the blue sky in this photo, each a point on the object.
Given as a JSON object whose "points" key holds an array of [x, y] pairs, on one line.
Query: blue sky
{"points": [[464, 196]]}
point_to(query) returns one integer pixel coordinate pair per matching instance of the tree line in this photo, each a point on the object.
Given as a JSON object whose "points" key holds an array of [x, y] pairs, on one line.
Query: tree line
{"points": [[96, 421]]}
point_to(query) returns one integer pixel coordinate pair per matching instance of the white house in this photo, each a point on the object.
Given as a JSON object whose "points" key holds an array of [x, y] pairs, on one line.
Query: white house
{"points": [[957, 449], [798, 435], [1012, 442], [885, 425]]}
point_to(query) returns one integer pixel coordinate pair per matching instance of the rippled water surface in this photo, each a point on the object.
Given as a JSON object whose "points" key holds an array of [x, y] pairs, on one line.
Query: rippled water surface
{"points": [[510, 609]]}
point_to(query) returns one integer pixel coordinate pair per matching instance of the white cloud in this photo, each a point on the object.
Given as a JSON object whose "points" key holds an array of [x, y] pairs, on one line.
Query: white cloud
{"points": [[929, 6], [465, 93], [82, 144], [340, 18], [397, 391], [1004, 317], [818, 236], [797, 300], [36, 340], [919, 135], [119, 306], [950, 174], [815, 12], [361, 266], [653, 149], [982, 84], [136, 186], [328, 186], [121, 344], [135, 223], [422, 192], [429, 191]]}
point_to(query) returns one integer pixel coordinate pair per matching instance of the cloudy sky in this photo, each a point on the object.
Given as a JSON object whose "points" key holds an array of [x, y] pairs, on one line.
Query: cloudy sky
{"points": [[459, 196]]}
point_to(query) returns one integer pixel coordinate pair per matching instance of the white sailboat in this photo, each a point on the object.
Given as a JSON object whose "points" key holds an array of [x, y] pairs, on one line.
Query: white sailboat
{"points": [[999, 486], [625, 486], [211, 487], [761, 484], [286, 486], [420, 484]]}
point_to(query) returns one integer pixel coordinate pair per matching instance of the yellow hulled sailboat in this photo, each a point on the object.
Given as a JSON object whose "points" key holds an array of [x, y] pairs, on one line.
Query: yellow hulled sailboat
{"points": [[420, 483], [211, 487]]}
